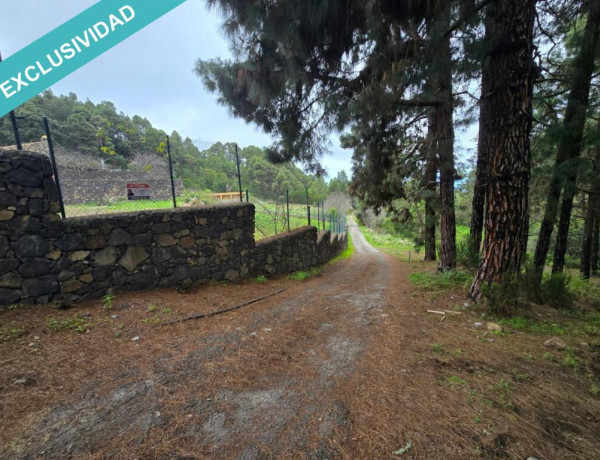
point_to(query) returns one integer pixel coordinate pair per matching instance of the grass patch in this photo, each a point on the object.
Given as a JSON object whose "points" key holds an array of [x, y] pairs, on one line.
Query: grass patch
{"points": [[346, 254], [13, 332], [526, 325], [454, 380], [305, 275], [440, 281], [70, 324]]}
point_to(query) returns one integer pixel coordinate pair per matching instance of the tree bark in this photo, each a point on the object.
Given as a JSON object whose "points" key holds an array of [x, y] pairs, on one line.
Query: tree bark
{"points": [[565, 175], [443, 132], [485, 127], [588, 234], [509, 101], [431, 201], [595, 243]]}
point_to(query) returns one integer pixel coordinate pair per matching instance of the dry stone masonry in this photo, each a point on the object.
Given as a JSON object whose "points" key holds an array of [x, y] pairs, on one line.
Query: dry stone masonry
{"points": [[45, 259]]}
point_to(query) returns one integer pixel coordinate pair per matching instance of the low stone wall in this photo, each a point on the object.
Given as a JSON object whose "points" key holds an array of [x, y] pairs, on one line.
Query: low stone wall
{"points": [[44, 258]]}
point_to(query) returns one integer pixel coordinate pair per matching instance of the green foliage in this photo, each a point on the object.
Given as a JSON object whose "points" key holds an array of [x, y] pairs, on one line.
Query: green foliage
{"points": [[465, 253], [305, 275], [557, 292], [454, 380], [440, 281], [12, 332], [107, 301], [504, 298], [347, 253], [526, 325], [71, 324]]}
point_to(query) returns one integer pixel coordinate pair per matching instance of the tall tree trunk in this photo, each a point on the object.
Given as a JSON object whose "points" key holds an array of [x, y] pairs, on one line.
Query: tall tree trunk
{"points": [[443, 131], [486, 123], [431, 200], [511, 70], [564, 174], [588, 234], [595, 243]]}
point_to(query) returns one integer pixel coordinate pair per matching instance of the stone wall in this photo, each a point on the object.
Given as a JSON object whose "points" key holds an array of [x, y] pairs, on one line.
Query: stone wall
{"points": [[44, 258]]}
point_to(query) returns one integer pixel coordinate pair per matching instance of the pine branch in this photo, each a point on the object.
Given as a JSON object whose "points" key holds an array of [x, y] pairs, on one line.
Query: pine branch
{"points": [[460, 21]]}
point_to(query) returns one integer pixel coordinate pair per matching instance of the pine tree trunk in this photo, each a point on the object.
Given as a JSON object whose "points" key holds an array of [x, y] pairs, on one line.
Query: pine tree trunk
{"points": [[485, 126], [443, 129], [509, 102], [588, 235], [431, 202], [595, 243], [565, 175]]}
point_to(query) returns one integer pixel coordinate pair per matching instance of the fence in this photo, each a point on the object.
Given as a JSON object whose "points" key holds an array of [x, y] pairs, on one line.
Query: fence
{"points": [[89, 184]]}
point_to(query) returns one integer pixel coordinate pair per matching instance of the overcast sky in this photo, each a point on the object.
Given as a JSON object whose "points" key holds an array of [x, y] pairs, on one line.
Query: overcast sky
{"points": [[151, 73]]}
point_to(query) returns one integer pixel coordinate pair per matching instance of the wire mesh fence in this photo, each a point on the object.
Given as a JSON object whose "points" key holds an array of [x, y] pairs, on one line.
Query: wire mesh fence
{"points": [[93, 181]]}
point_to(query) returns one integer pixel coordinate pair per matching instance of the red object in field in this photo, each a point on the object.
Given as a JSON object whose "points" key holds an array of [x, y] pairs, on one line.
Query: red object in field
{"points": [[138, 191]]}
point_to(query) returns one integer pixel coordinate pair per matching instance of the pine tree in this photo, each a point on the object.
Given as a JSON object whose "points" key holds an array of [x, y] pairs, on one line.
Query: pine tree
{"points": [[509, 102]]}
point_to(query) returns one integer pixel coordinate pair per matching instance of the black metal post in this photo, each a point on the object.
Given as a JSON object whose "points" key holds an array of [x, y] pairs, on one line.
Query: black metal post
{"points": [[307, 206], [247, 197], [287, 203], [15, 126], [323, 214], [239, 174], [318, 216], [54, 169], [171, 172]]}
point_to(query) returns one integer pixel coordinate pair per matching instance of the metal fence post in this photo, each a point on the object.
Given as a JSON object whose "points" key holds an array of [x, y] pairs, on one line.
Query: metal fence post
{"points": [[307, 206], [247, 197], [239, 174], [318, 216], [171, 172], [54, 168], [15, 126], [287, 201]]}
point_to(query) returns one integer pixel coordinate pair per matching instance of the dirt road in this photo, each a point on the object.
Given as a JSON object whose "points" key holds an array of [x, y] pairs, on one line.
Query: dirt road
{"points": [[344, 365], [257, 382]]}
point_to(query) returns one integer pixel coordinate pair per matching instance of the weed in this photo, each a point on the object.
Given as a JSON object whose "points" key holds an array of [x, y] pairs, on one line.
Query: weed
{"points": [[454, 380], [437, 348], [504, 385], [13, 306], [14, 332], [261, 279], [477, 419], [152, 308], [305, 275], [71, 324], [457, 352], [526, 325], [548, 356], [556, 290], [167, 310], [503, 298], [595, 390], [440, 281], [107, 301], [570, 360]]}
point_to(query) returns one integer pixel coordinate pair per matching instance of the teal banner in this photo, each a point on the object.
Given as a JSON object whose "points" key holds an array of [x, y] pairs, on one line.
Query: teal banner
{"points": [[72, 45]]}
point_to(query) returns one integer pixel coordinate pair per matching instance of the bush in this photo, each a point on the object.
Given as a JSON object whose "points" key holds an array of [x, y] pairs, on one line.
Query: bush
{"points": [[466, 254], [503, 299], [556, 291]]}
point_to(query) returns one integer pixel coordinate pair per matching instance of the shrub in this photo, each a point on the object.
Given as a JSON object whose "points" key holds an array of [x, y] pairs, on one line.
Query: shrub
{"points": [[557, 292], [503, 299], [466, 254]]}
